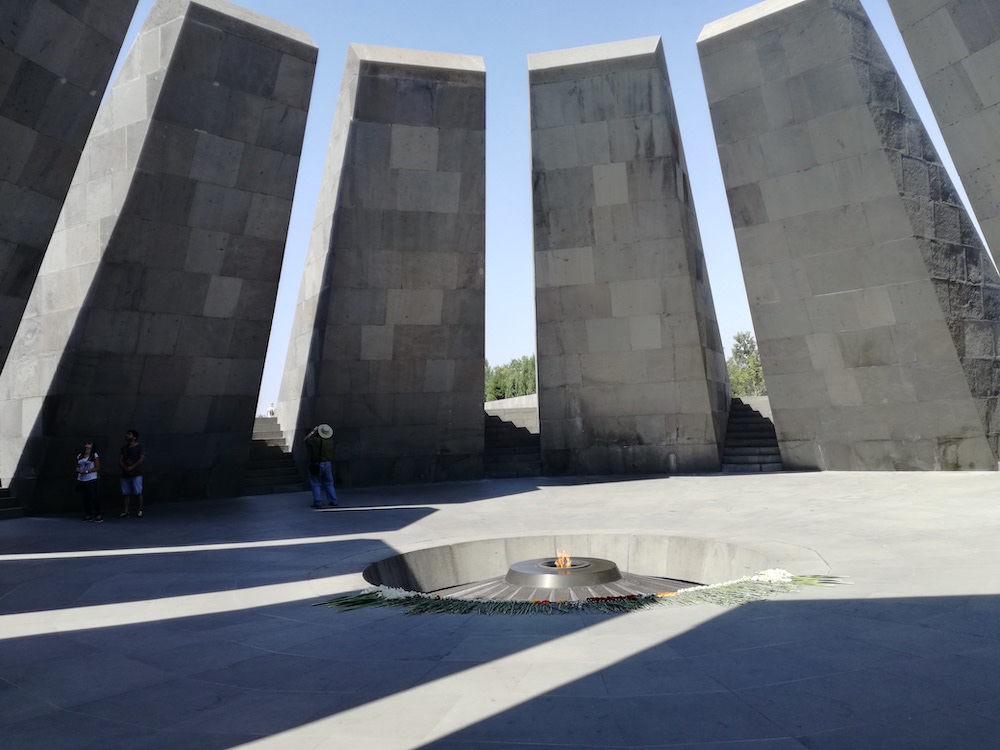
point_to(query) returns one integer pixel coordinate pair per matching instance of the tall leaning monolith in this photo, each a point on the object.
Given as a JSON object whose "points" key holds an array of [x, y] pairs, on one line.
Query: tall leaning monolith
{"points": [[387, 342], [55, 61], [154, 302], [955, 47], [875, 305], [631, 373]]}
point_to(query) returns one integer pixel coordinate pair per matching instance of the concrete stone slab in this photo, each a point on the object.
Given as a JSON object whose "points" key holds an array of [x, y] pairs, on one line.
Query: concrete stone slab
{"points": [[55, 62], [174, 297], [616, 236], [850, 236], [955, 48], [388, 338]]}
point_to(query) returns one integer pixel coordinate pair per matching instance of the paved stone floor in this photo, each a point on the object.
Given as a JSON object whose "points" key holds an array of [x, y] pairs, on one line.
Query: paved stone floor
{"points": [[194, 627]]}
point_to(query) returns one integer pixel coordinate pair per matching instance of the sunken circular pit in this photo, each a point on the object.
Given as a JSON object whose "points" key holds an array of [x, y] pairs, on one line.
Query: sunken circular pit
{"points": [[596, 566]]}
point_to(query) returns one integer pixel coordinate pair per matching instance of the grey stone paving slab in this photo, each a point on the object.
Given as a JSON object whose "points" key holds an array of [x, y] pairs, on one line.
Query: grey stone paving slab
{"points": [[767, 665], [55, 62], [948, 728], [703, 717], [161, 706], [67, 730]]}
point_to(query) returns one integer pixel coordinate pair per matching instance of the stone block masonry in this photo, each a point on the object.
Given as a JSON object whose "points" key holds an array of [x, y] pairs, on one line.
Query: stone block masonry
{"points": [[875, 305], [388, 337], [955, 47], [153, 304], [631, 372], [55, 62]]}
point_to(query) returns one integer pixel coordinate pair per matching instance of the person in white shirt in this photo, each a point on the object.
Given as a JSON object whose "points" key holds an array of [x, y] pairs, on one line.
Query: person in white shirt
{"points": [[88, 468]]}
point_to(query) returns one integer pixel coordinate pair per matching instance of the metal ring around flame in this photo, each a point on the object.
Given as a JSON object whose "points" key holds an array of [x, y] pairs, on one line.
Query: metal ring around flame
{"points": [[542, 573]]}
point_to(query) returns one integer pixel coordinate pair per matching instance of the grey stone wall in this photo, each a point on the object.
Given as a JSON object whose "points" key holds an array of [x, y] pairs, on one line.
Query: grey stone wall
{"points": [[388, 338], [874, 303], [55, 61], [631, 374], [955, 47], [153, 304]]}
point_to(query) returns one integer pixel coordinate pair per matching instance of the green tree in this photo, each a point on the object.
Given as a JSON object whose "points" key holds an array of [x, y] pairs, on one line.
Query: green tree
{"points": [[745, 374], [516, 378]]}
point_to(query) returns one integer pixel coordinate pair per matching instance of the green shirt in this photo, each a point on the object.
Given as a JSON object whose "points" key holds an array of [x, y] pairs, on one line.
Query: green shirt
{"points": [[320, 449]]}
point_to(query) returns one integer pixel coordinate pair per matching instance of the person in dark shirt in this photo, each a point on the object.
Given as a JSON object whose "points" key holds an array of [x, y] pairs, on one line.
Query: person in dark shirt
{"points": [[319, 443], [130, 462]]}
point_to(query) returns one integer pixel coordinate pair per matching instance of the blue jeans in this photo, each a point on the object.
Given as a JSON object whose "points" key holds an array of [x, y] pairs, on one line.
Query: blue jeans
{"points": [[324, 479]]}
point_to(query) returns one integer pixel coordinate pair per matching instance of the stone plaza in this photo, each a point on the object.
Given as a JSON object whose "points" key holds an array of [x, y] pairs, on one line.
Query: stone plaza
{"points": [[199, 630]]}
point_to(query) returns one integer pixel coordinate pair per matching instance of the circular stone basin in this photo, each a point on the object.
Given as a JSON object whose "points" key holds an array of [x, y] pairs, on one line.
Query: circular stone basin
{"points": [[543, 573], [476, 569]]}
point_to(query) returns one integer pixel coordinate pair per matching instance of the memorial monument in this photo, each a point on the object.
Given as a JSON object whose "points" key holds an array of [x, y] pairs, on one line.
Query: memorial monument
{"points": [[154, 301], [55, 61], [388, 337], [631, 372], [875, 305], [955, 47]]}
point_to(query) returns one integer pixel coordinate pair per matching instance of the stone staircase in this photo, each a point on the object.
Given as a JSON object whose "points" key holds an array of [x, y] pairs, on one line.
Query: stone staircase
{"points": [[751, 444], [9, 507], [510, 451], [272, 468]]}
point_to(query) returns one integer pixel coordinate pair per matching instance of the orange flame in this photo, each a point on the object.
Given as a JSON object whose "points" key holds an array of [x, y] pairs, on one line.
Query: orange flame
{"points": [[563, 560]]}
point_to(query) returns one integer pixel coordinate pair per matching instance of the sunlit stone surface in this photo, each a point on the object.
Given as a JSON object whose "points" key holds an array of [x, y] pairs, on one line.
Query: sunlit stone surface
{"points": [[955, 47], [631, 374], [55, 61], [875, 305]]}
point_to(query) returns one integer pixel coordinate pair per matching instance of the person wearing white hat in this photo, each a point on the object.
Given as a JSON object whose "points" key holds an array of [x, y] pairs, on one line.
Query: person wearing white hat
{"points": [[319, 443]]}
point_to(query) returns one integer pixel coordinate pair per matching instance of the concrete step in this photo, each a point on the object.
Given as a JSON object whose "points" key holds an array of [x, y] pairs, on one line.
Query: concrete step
{"points": [[272, 467], [513, 472], [492, 461], [754, 459], [753, 442], [9, 507], [259, 451], [278, 442], [751, 468], [510, 451], [768, 450], [269, 435], [758, 428]]}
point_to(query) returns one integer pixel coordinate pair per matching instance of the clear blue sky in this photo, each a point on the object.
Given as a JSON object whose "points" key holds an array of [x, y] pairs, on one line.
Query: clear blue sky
{"points": [[504, 32]]}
